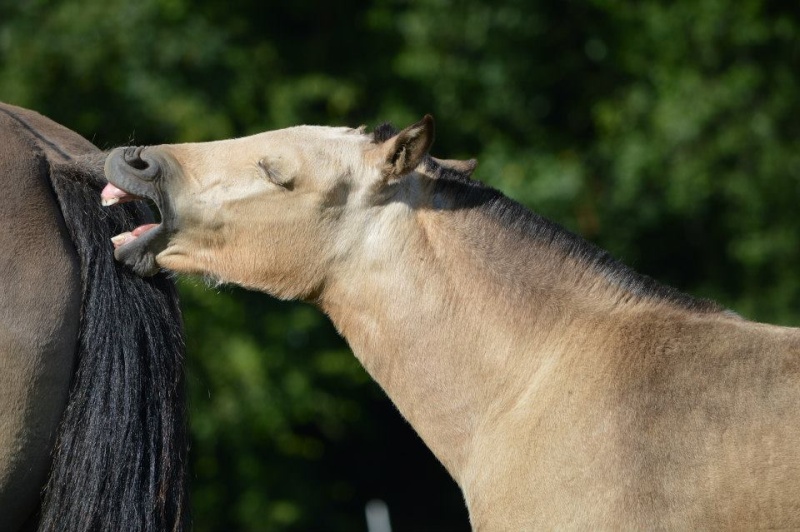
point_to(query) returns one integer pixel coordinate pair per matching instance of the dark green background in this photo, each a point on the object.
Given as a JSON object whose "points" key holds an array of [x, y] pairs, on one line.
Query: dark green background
{"points": [[666, 132]]}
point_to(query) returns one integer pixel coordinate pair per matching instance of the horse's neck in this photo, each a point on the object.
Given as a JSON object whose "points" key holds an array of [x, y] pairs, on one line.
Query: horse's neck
{"points": [[450, 321]]}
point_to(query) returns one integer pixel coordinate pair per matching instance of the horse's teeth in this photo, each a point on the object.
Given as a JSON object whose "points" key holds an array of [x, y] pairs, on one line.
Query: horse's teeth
{"points": [[121, 238], [107, 202]]}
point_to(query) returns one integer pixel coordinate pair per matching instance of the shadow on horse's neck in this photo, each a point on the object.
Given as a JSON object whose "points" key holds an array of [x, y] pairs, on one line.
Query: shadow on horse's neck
{"points": [[479, 294], [538, 240]]}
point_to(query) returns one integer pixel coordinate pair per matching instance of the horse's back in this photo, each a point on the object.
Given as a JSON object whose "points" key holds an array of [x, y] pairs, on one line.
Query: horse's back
{"points": [[40, 302], [681, 421], [714, 416]]}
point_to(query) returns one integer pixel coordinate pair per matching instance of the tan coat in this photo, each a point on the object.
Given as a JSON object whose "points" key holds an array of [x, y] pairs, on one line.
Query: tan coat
{"points": [[558, 387]]}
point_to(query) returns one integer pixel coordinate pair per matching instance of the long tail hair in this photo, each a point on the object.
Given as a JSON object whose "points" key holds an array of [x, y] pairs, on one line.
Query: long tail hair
{"points": [[120, 456]]}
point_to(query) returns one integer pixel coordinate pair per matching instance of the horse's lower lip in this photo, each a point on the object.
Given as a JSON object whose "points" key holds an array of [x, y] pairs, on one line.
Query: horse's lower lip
{"points": [[129, 236], [139, 251]]}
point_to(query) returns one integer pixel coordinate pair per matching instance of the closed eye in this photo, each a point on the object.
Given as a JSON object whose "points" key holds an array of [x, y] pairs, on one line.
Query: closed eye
{"points": [[274, 175]]}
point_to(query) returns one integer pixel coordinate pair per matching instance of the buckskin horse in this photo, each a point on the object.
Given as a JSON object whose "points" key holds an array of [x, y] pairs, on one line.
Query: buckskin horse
{"points": [[91, 371], [558, 387]]}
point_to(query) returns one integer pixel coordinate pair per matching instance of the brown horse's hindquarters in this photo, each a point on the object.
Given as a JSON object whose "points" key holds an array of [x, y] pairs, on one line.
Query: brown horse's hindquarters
{"points": [[39, 316]]}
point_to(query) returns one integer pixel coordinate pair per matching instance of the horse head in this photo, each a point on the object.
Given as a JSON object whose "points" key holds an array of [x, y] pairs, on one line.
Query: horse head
{"points": [[272, 211]]}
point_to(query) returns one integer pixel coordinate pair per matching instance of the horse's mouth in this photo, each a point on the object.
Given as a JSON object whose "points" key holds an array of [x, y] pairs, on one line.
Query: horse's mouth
{"points": [[132, 177], [111, 195]]}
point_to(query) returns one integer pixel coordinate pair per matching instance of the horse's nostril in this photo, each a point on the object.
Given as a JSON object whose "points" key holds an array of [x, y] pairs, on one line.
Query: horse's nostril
{"points": [[139, 164], [145, 166], [133, 156]]}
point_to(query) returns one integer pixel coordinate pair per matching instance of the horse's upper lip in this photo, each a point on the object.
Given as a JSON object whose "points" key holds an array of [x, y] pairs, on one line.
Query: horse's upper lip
{"points": [[112, 194]]}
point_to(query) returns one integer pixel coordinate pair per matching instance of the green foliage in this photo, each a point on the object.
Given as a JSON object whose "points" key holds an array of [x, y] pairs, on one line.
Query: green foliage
{"points": [[273, 388], [664, 131], [702, 138]]}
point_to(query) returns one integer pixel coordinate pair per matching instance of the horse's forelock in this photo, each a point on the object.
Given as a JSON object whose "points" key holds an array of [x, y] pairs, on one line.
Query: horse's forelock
{"points": [[384, 132]]}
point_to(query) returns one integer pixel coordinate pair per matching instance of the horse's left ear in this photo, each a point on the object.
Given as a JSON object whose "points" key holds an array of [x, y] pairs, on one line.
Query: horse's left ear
{"points": [[405, 151]]}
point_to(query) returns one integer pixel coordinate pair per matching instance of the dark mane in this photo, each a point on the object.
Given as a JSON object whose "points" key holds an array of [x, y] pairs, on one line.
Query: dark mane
{"points": [[384, 132], [463, 191], [470, 193]]}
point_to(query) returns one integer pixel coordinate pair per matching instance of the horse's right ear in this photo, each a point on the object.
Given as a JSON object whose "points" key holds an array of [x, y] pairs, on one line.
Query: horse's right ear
{"points": [[406, 150]]}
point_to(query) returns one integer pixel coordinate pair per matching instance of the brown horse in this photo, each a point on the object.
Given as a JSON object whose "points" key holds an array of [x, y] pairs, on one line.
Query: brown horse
{"points": [[558, 387], [91, 382]]}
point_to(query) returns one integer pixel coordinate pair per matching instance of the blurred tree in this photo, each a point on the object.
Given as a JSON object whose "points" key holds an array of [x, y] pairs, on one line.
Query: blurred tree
{"points": [[699, 153], [664, 131]]}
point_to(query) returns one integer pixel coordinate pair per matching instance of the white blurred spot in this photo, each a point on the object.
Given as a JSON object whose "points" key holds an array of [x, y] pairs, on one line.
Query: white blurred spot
{"points": [[377, 513]]}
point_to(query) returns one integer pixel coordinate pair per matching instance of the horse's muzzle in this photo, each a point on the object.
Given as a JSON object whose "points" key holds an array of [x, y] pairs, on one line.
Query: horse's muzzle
{"points": [[138, 173]]}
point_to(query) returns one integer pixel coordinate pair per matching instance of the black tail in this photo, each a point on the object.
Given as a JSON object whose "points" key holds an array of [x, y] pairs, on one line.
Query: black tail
{"points": [[120, 458]]}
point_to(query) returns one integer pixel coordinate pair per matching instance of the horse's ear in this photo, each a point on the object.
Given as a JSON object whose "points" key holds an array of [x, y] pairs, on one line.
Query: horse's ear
{"points": [[406, 150], [462, 167]]}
